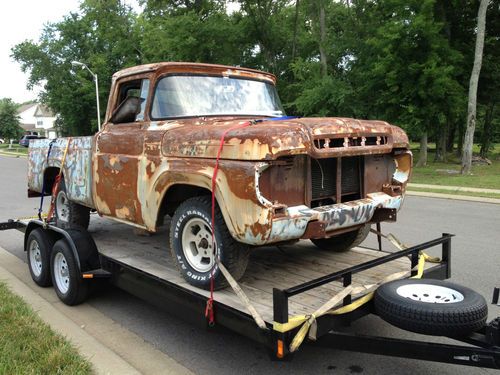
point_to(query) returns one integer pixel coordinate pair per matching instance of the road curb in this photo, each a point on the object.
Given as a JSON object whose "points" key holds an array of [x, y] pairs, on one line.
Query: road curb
{"points": [[111, 348], [453, 197], [456, 189], [13, 154]]}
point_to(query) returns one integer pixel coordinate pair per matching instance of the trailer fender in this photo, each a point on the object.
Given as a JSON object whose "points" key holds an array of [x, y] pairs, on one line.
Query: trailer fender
{"points": [[80, 241]]}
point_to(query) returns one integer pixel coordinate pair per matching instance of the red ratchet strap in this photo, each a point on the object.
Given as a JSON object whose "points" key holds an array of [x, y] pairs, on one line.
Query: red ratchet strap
{"points": [[209, 311]]}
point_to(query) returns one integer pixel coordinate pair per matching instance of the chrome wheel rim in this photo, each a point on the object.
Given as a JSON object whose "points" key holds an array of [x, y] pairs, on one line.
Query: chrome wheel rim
{"points": [[61, 273], [430, 293], [35, 258], [62, 206], [197, 244]]}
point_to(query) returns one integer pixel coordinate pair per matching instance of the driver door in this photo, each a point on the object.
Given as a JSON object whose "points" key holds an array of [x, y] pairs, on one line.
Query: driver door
{"points": [[119, 150]]}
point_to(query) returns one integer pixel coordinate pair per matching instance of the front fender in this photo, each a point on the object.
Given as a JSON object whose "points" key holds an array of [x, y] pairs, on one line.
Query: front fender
{"points": [[247, 219]]}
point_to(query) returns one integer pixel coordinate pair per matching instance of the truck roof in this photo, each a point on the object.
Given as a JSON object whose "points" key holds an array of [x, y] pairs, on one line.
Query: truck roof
{"points": [[195, 68]]}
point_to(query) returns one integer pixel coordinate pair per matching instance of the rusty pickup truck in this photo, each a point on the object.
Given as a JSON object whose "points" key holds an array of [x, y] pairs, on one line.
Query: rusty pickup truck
{"points": [[280, 179]]}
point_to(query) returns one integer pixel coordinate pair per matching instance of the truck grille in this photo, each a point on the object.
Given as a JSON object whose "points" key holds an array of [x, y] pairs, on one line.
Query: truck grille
{"points": [[324, 179], [344, 142]]}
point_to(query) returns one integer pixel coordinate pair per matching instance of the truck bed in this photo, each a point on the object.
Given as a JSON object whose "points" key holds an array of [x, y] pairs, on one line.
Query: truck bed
{"points": [[269, 267]]}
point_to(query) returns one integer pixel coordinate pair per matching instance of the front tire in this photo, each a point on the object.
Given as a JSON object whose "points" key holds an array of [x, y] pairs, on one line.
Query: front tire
{"points": [[191, 244], [69, 214], [38, 248], [66, 278], [343, 242]]}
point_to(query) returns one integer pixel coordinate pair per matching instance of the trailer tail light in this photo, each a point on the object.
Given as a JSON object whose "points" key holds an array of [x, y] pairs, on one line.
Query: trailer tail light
{"points": [[88, 275], [280, 352]]}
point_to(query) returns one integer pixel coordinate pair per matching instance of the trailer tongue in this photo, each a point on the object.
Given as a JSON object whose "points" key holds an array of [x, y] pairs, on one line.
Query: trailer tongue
{"points": [[288, 287]]}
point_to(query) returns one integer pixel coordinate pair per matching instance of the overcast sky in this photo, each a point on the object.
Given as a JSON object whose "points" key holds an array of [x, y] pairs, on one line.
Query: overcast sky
{"points": [[21, 20]]}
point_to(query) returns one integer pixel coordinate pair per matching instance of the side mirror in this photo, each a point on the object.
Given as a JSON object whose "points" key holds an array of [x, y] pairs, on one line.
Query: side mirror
{"points": [[127, 110]]}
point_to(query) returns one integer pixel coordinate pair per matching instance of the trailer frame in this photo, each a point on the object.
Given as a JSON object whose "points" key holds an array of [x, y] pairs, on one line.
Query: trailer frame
{"points": [[189, 305]]}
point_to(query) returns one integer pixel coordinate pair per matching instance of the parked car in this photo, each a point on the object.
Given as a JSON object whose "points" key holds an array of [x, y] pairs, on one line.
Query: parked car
{"points": [[25, 140]]}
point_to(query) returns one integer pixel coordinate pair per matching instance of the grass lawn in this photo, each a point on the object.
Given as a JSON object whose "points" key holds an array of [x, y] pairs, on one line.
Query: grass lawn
{"points": [[483, 176], [15, 148], [29, 346]]}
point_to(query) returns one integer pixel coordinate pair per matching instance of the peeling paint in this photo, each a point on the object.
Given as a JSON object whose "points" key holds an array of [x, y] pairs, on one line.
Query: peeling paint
{"points": [[264, 186]]}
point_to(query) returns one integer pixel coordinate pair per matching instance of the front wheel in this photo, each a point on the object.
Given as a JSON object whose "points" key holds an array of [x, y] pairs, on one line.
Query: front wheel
{"points": [[192, 248], [343, 242]]}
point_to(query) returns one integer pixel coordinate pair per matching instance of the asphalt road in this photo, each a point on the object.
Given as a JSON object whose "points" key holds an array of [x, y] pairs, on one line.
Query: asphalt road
{"points": [[476, 263]]}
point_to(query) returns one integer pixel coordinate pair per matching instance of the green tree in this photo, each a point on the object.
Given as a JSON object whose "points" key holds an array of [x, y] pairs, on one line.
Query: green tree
{"points": [[9, 119], [404, 67], [102, 35], [198, 31], [474, 81], [489, 84]]}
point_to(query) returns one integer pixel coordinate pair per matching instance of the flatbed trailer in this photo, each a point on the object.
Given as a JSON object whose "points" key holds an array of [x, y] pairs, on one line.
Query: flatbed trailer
{"points": [[280, 283]]}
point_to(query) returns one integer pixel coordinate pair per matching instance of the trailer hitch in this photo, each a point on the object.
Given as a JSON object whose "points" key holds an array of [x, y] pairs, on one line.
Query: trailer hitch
{"points": [[492, 332]]}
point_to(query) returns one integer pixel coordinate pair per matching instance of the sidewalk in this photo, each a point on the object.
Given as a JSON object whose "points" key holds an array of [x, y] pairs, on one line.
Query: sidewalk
{"points": [[111, 348], [446, 190], [454, 188]]}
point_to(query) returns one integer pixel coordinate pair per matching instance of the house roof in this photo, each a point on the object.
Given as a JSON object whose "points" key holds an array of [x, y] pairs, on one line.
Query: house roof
{"points": [[43, 111], [25, 107]]}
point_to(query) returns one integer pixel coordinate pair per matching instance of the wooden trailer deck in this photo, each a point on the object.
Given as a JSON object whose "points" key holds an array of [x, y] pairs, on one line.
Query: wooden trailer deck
{"points": [[269, 267]]}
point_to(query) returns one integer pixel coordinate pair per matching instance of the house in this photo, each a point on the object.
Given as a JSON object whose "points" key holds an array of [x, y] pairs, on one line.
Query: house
{"points": [[38, 119]]}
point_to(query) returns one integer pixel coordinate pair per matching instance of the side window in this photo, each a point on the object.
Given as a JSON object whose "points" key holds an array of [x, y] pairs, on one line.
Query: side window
{"points": [[131, 101]]}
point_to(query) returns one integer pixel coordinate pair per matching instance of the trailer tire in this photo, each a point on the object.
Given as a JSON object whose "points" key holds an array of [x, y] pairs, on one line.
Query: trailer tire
{"points": [[70, 287], [343, 242], [69, 214], [191, 223], [411, 305], [38, 248]]}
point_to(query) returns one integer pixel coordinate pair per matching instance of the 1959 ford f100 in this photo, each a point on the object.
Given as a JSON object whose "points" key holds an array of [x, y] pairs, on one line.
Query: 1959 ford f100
{"points": [[279, 179]]}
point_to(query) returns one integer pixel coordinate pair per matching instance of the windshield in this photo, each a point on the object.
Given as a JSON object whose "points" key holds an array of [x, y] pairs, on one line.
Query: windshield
{"points": [[186, 96]]}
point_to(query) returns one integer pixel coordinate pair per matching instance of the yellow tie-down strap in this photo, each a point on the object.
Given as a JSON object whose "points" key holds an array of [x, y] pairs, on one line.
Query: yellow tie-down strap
{"points": [[308, 322]]}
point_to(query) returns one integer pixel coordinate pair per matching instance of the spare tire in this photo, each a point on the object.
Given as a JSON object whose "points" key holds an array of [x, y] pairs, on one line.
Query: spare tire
{"points": [[431, 307]]}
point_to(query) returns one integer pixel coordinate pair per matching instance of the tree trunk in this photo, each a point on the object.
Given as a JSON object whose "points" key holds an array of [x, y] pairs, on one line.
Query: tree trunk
{"points": [[422, 157], [295, 26], [322, 38], [441, 144], [460, 140], [487, 131], [450, 142], [474, 78]]}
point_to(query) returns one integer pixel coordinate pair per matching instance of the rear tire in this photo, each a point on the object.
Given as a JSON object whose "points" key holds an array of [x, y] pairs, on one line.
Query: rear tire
{"points": [[343, 242], [191, 244], [66, 278], [69, 214], [38, 248]]}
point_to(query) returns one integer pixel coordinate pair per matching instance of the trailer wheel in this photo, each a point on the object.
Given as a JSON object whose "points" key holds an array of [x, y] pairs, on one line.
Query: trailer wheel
{"points": [[69, 214], [38, 248], [66, 278], [343, 242], [191, 244], [431, 307]]}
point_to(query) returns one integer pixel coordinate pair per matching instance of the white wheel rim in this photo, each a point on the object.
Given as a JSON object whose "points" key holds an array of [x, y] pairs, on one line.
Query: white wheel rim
{"points": [[62, 206], [61, 273], [197, 244], [430, 293], [35, 258]]}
